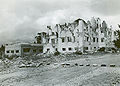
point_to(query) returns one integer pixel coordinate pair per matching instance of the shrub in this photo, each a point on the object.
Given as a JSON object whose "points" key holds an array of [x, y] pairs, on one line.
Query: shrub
{"points": [[78, 53], [102, 49], [117, 41], [114, 50], [57, 53]]}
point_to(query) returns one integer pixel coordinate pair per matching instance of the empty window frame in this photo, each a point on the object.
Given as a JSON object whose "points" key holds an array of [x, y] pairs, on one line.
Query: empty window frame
{"points": [[26, 50], [85, 48], [53, 33], [87, 38], [7, 51], [53, 41], [76, 48], [97, 40], [17, 51], [102, 39], [48, 40], [93, 39], [63, 39], [64, 49], [12, 51], [69, 39], [34, 50], [69, 48], [48, 49], [56, 49]]}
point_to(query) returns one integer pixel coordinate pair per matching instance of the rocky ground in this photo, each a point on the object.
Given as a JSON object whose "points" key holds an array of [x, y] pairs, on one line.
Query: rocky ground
{"points": [[62, 70]]}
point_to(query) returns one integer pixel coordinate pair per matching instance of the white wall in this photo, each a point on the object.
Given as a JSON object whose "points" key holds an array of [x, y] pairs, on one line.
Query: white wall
{"points": [[13, 48], [66, 46], [48, 46]]}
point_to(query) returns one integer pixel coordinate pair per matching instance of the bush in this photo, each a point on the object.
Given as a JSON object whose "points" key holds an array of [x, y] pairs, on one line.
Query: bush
{"points": [[78, 53], [57, 53], [102, 49], [114, 50], [117, 41]]}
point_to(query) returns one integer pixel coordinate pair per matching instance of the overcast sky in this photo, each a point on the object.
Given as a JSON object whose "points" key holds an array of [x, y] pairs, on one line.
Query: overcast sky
{"points": [[22, 19]]}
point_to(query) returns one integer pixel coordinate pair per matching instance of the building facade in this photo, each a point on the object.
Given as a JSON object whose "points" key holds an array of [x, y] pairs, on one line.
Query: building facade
{"points": [[23, 49], [77, 36]]}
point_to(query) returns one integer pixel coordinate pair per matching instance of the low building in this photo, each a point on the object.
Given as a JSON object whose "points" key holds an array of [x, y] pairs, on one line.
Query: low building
{"points": [[23, 49]]}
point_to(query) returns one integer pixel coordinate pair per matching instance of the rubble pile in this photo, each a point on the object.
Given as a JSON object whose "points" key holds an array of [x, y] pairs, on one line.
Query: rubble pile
{"points": [[38, 60], [67, 57]]}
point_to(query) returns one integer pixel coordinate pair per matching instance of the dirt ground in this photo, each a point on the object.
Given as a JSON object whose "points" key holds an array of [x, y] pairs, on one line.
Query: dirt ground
{"points": [[73, 74]]}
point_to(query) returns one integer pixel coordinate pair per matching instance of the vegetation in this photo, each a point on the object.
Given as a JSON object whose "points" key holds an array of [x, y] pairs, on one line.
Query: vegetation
{"points": [[78, 53], [117, 41], [57, 53], [102, 49]]}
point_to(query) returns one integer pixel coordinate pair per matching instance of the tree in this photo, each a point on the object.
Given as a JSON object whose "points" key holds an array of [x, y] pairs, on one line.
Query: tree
{"points": [[117, 41], [2, 48]]}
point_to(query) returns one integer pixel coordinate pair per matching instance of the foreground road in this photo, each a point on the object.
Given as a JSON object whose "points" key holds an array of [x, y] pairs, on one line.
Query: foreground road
{"points": [[68, 76]]}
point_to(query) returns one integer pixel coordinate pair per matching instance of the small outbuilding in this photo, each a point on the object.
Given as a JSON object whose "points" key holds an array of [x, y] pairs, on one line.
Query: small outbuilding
{"points": [[23, 49]]}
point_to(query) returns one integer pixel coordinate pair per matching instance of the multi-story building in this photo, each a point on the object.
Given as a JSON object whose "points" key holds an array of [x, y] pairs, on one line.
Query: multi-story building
{"points": [[77, 36]]}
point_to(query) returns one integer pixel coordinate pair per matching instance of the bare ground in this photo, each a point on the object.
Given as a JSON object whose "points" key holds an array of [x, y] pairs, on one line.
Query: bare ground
{"points": [[49, 75]]}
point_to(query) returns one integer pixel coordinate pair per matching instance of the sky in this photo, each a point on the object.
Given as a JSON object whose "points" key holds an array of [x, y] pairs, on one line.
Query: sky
{"points": [[23, 19]]}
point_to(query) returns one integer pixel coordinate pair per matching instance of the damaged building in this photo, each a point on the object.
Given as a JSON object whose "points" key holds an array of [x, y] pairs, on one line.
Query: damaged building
{"points": [[77, 36], [23, 49]]}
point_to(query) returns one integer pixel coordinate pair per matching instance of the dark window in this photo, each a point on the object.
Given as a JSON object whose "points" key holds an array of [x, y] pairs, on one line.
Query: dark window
{"points": [[63, 39], [48, 49], [34, 50], [97, 39], [94, 39], [26, 50], [94, 47], [85, 48], [70, 48], [53, 41], [64, 49], [69, 39], [87, 38], [102, 39], [53, 33], [12, 51], [17, 51], [76, 48], [101, 31], [56, 49], [48, 40], [97, 25], [8, 51], [57, 34], [109, 33]]}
